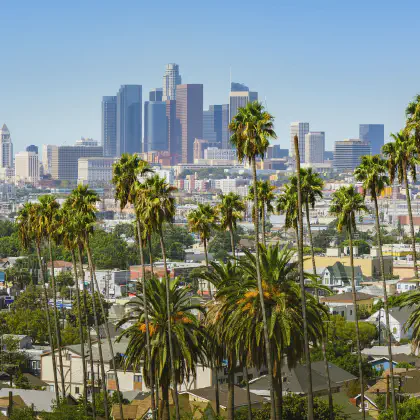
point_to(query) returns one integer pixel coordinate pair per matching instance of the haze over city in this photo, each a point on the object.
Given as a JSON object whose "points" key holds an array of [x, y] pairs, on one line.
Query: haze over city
{"points": [[333, 64]]}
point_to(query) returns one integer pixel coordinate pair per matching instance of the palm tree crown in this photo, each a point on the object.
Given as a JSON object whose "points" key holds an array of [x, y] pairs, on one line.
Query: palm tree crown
{"points": [[372, 172]]}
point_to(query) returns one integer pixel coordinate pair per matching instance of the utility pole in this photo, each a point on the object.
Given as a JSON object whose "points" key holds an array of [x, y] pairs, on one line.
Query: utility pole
{"points": [[387, 392]]}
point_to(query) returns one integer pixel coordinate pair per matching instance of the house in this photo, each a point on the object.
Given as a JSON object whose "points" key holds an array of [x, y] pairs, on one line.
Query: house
{"points": [[378, 351], [338, 275], [370, 406], [397, 319], [16, 400], [405, 285], [337, 374], [408, 381], [381, 363], [60, 267], [203, 398], [342, 304]]}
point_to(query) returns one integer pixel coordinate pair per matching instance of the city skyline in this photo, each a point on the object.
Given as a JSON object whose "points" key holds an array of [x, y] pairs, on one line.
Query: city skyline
{"points": [[61, 79]]}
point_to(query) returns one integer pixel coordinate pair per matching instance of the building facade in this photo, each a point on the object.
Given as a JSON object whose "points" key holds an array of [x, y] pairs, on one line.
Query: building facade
{"points": [[27, 167], [215, 124], [95, 170], [32, 148], [374, 134], [171, 79], [109, 125], [6, 148], [172, 125], [314, 147], [65, 160], [155, 126], [301, 129], [348, 153], [47, 157], [129, 119], [156, 95], [220, 154], [189, 113]]}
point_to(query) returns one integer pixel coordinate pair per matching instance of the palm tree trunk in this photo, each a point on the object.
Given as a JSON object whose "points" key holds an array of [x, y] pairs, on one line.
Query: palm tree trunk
{"points": [[279, 394], [81, 335], [410, 216], [107, 334], [323, 337], [263, 222], [149, 242], [169, 309], [207, 264], [356, 312], [98, 332], [146, 316], [216, 388], [89, 340], [302, 284], [386, 308], [231, 389], [261, 294], [232, 239], [248, 392], [56, 321], [47, 311], [164, 409]]}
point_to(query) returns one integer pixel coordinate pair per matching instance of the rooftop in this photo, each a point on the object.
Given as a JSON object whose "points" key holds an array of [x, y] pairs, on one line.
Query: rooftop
{"points": [[346, 297]]}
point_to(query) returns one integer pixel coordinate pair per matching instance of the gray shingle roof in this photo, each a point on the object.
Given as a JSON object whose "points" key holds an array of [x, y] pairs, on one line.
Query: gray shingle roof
{"points": [[42, 400], [337, 374]]}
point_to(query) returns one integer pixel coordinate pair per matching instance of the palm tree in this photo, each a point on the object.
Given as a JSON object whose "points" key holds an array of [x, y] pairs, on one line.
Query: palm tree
{"points": [[402, 158], [69, 231], [159, 208], [230, 211], [372, 172], [126, 173], [185, 335], [252, 129], [287, 204], [412, 113], [49, 223], [203, 221], [265, 199], [29, 232], [346, 203]]}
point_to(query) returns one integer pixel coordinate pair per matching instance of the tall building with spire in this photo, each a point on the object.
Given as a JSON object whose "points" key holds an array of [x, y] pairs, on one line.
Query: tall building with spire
{"points": [[171, 79], [6, 148]]}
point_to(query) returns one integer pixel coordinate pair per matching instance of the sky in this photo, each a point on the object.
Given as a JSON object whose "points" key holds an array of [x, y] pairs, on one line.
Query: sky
{"points": [[333, 64]]}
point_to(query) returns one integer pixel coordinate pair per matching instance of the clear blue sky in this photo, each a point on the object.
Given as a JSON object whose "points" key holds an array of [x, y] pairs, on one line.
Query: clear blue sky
{"points": [[333, 63]]}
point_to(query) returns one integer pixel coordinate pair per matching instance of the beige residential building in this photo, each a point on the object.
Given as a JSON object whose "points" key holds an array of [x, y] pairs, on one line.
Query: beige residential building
{"points": [[27, 167]]}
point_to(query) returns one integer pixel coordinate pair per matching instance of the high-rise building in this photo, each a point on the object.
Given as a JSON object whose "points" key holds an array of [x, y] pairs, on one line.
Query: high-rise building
{"points": [[6, 148], [109, 125], [173, 136], [314, 147], [189, 113], [27, 167], [155, 126], [95, 170], [156, 94], [171, 79], [32, 148], [215, 124], [348, 153], [129, 119], [238, 87], [64, 160], [200, 145], [86, 141], [374, 134], [239, 99], [47, 158], [301, 129]]}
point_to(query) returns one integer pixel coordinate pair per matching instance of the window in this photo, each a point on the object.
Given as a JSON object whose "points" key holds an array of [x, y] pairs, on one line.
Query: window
{"points": [[394, 330], [51, 388], [77, 390], [111, 376], [137, 378], [351, 312], [68, 356]]}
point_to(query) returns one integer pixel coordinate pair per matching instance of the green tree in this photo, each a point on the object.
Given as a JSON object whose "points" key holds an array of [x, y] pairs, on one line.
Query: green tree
{"points": [[252, 129], [346, 203], [185, 336], [408, 410], [402, 158]]}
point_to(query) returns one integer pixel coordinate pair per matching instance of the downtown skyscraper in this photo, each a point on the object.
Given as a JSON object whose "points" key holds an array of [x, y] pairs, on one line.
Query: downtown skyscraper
{"points": [[6, 148], [215, 125], [171, 79], [189, 113], [109, 125], [301, 129], [374, 134], [129, 119]]}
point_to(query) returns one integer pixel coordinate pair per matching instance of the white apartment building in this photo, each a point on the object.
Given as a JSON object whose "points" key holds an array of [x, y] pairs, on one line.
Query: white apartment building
{"points": [[301, 129], [231, 185], [167, 174], [314, 147], [95, 170], [27, 167], [111, 283], [214, 153]]}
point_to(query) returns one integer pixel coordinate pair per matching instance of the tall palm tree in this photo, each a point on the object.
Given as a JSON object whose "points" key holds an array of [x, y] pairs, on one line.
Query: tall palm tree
{"points": [[287, 204], [69, 231], [159, 209], [372, 172], [126, 173], [302, 279], [252, 129], [402, 158], [185, 335], [30, 232], [265, 203], [412, 113], [346, 203], [49, 223], [231, 211]]}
